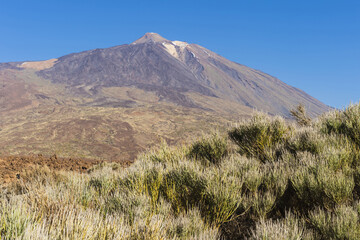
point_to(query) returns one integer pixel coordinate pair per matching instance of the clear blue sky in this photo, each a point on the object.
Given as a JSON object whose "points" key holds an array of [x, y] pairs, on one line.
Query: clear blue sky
{"points": [[311, 44]]}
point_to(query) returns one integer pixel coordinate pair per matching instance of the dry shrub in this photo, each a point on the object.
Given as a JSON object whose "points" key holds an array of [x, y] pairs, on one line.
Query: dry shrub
{"points": [[300, 115], [285, 182], [261, 137], [210, 149]]}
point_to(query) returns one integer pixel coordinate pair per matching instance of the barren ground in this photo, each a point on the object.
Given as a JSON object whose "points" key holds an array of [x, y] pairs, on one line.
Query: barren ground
{"points": [[12, 168]]}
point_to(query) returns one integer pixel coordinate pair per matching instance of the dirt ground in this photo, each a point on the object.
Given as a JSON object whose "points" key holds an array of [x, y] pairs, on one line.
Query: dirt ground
{"points": [[12, 167]]}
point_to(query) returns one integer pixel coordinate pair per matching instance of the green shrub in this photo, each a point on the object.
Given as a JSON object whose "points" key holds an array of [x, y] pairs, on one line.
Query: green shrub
{"points": [[14, 219], [306, 140], [342, 223], [190, 225], [222, 198], [164, 154], [153, 183], [339, 154], [253, 178], [261, 137], [300, 115], [290, 228], [262, 204], [184, 188], [318, 185], [345, 122], [275, 177], [122, 203], [211, 149]]}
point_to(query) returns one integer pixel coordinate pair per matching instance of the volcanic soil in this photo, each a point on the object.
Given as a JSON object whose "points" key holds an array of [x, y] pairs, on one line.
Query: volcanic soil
{"points": [[12, 168]]}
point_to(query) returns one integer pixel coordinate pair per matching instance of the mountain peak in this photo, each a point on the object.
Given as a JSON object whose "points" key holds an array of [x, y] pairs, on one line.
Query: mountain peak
{"points": [[150, 37], [177, 73]]}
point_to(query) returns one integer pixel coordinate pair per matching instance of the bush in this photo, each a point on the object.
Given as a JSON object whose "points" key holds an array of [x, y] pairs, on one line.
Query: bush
{"points": [[306, 140], [261, 137], [223, 197], [318, 185], [183, 188], [290, 228], [345, 122], [165, 154], [211, 149], [284, 182], [300, 116], [342, 223]]}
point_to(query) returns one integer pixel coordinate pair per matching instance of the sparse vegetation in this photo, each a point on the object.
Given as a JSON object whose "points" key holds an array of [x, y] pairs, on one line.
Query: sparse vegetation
{"points": [[211, 149], [261, 137], [275, 180], [301, 116]]}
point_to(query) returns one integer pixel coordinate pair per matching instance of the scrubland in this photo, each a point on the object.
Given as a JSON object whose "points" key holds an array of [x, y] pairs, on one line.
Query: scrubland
{"points": [[266, 178]]}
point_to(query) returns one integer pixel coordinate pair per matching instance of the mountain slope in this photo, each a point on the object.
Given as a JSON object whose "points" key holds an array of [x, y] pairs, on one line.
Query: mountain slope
{"points": [[116, 102], [174, 70]]}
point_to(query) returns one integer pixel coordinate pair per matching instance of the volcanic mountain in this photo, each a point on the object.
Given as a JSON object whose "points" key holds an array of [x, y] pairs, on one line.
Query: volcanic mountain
{"points": [[173, 69], [117, 101]]}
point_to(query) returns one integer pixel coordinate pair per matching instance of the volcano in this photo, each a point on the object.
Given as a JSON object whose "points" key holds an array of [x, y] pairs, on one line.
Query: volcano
{"points": [[115, 102]]}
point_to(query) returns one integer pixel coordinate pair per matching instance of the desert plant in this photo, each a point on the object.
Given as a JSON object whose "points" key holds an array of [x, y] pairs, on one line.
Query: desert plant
{"points": [[222, 198], [300, 115], [291, 227], [306, 140], [342, 223], [317, 185], [210, 149], [261, 137], [165, 154], [346, 122], [184, 188], [288, 182], [190, 225]]}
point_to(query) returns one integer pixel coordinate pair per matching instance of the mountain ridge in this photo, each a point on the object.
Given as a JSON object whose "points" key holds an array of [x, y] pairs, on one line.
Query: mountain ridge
{"points": [[113, 103], [178, 67]]}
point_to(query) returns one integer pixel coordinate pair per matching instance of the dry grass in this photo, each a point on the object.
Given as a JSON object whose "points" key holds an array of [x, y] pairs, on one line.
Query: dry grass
{"points": [[274, 181]]}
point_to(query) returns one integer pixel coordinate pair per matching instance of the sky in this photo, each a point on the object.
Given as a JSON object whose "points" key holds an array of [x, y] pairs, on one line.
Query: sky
{"points": [[313, 45]]}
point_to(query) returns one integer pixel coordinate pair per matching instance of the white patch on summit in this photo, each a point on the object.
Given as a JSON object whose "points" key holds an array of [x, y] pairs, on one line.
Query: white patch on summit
{"points": [[170, 48], [180, 44]]}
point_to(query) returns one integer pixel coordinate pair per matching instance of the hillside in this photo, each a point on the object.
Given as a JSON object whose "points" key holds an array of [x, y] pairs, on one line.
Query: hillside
{"points": [[115, 102]]}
